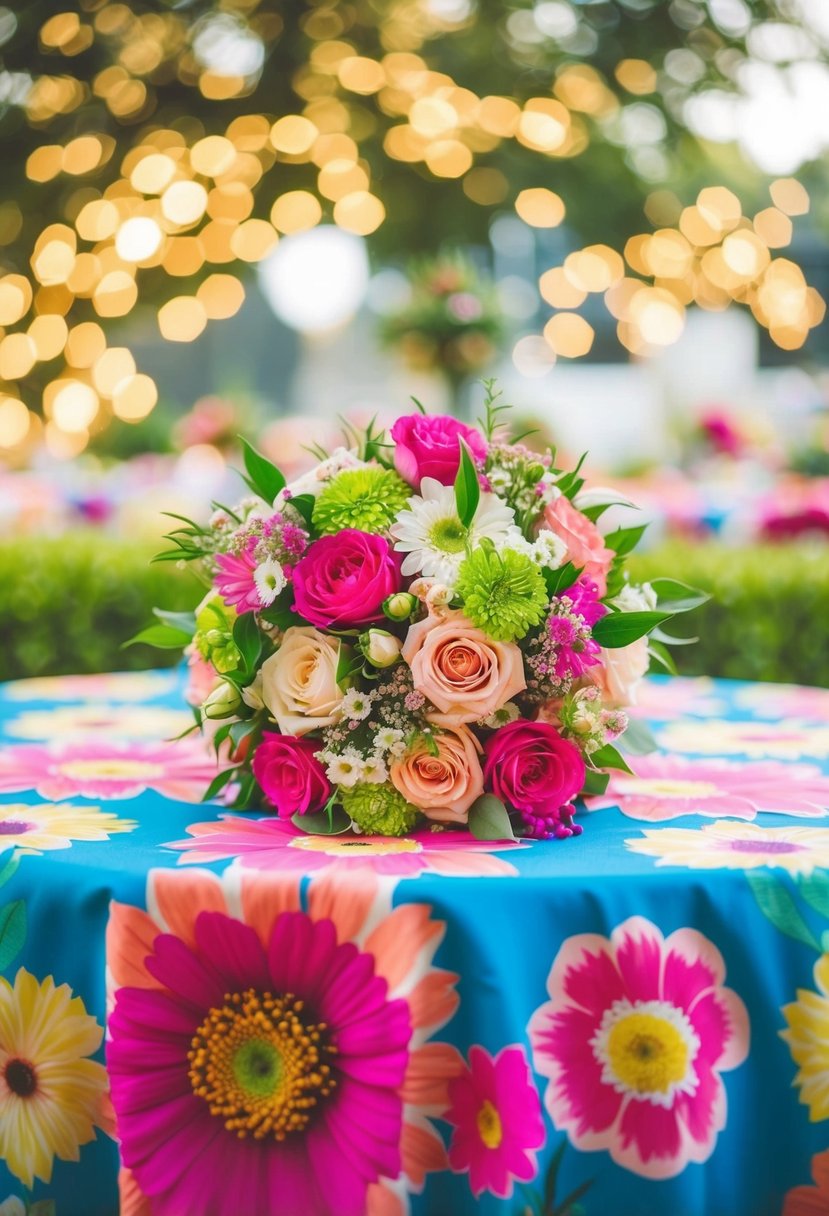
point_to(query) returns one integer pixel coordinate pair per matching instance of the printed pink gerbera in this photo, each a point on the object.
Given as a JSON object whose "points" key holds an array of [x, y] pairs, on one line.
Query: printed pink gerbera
{"points": [[496, 1114], [104, 768], [235, 582], [634, 1038], [276, 844], [665, 699], [665, 787], [263, 1048]]}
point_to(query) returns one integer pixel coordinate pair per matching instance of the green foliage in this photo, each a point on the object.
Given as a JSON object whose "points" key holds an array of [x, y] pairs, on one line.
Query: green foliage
{"points": [[767, 616], [68, 604]]}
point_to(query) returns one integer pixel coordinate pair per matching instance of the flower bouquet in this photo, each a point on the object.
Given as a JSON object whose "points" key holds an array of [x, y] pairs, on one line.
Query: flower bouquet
{"points": [[432, 628]]}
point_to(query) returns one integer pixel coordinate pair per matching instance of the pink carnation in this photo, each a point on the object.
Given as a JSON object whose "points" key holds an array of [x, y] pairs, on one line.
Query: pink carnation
{"points": [[428, 446]]}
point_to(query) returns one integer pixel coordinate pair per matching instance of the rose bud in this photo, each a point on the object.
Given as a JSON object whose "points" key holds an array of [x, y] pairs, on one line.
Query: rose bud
{"points": [[223, 701], [399, 607], [380, 648]]}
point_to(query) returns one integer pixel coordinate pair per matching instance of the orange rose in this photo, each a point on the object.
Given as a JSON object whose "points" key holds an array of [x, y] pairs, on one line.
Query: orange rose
{"points": [[445, 785], [460, 670], [585, 544]]}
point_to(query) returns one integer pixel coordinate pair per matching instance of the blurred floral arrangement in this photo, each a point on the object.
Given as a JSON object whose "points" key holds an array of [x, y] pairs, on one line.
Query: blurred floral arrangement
{"points": [[433, 628], [452, 322]]}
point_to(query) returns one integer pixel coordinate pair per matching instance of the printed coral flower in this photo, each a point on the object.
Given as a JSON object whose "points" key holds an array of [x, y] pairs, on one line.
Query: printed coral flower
{"points": [[102, 768], [260, 1046], [634, 1038], [106, 686], [664, 699], [42, 828], [731, 844], [811, 1200], [52, 1096], [666, 787], [275, 844], [117, 721], [496, 1114], [784, 740], [807, 1035]]}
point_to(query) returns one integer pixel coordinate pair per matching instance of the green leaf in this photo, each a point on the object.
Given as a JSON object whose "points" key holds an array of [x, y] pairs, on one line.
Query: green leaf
{"points": [[676, 596], [658, 651], [218, 783], [346, 664], [12, 931], [638, 739], [778, 906], [595, 783], [609, 757], [815, 890], [567, 1207], [552, 1176], [621, 628], [9, 867], [571, 483], [467, 486], [248, 639], [319, 823], [184, 621], [263, 477], [240, 730], [304, 503], [488, 819], [623, 540], [667, 639], [165, 637], [559, 580], [244, 800]]}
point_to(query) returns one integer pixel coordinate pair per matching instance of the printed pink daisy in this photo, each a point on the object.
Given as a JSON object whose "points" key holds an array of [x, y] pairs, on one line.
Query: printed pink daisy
{"points": [[263, 1047], [106, 686], [496, 1114], [275, 844], [665, 699], [665, 787], [634, 1038], [104, 768]]}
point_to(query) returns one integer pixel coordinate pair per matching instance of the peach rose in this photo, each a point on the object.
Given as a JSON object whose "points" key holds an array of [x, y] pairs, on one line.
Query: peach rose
{"points": [[299, 682], [444, 786], [585, 544], [463, 673], [621, 672]]}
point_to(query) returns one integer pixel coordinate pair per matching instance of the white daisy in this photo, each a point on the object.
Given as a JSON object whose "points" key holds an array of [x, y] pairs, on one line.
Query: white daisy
{"points": [[549, 549], [345, 768], [633, 598], [509, 712], [387, 739], [355, 705], [270, 579], [374, 771], [432, 536]]}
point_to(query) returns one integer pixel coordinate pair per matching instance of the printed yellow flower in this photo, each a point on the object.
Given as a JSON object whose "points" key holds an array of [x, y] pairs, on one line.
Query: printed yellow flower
{"points": [[51, 1096], [49, 825], [808, 1039], [731, 845]]}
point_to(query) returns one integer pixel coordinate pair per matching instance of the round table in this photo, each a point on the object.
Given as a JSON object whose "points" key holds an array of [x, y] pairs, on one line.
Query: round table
{"points": [[637, 1018]]}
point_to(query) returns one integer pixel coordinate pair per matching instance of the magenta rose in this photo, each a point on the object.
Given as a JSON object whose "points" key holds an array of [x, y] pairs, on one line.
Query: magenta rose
{"points": [[290, 775], [531, 767], [427, 446], [342, 580]]}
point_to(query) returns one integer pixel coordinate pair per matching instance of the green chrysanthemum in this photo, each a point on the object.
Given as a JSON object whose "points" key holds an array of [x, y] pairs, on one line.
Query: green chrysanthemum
{"points": [[367, 499], [504, 594], [379, 810]]}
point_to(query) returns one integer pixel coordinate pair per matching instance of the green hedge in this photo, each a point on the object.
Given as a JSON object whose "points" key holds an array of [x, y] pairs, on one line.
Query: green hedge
{"points": [[768, 618], [67, 604]]}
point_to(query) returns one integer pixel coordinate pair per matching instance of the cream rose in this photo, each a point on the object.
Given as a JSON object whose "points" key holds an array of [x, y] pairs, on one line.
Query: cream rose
{"points": [[445, 785], [299, 682], [460, 670], [621, 672]]}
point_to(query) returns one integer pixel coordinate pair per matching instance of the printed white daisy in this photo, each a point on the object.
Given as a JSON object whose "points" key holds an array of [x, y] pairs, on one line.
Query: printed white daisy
{"points": [[355, 705], [433, 538], [374, 771], [270, 579], [344, 769]]}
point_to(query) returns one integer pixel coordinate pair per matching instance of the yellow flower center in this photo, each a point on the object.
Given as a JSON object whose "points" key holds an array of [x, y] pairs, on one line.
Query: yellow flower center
{"points": [[647, 1050], [369, 846], [111, 769], [489, 1125], [260, 1066]]}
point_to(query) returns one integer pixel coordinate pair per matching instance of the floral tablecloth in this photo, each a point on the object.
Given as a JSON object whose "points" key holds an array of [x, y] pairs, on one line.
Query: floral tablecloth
{"points": [[214, 1015]]}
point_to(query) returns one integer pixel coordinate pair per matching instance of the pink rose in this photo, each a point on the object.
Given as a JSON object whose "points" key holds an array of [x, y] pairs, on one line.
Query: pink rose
{"points": [[620, 674], [290, 775], [460, 670], [585, 544], [445, 785], [342, 580], [428, 446], [531, 767]]}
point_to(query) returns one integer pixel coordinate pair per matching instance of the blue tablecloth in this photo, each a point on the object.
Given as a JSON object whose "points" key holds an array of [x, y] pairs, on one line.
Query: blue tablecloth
{"points": [[297, 1026]]}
